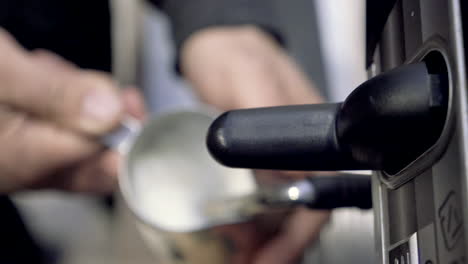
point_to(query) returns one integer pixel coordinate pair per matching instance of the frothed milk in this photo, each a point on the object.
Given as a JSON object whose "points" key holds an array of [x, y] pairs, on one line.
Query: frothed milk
{"points": [[172, 176]]}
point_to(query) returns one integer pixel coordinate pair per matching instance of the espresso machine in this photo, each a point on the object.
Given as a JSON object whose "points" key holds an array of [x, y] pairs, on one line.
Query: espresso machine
{"points": [[421, 211], [408, 124]]}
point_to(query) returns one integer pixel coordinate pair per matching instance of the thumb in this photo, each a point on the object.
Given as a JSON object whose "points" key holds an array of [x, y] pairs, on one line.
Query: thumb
{"points": [[85, 101]]}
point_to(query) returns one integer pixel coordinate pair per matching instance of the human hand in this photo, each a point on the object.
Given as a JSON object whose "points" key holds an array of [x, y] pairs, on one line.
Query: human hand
{"points": [[243, 67], [51, 114], [275, 238]]}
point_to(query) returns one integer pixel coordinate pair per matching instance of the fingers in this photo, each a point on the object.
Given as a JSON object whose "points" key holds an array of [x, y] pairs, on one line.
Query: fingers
{"points": [[296, 235], [256, 84], [48, 110], [295, 83], [96, 175], [233, 68], [244, 68], [247, 238], [244, 83], [45, 86], [32, 149], [53, 61], [134, 102]]}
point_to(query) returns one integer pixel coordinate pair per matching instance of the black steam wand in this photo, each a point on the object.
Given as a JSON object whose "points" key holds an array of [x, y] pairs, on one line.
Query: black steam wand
{"points": [[386, 123]]}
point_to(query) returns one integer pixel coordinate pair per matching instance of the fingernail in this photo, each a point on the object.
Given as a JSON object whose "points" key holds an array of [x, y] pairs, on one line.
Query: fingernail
{"points": [[101, 106]]}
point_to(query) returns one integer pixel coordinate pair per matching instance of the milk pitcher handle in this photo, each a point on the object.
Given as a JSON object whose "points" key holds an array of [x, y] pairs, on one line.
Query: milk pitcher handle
{"points": [[121, 138]]}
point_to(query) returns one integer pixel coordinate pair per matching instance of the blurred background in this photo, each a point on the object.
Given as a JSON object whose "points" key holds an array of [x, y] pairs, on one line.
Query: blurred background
{"points": [[326, 38]]}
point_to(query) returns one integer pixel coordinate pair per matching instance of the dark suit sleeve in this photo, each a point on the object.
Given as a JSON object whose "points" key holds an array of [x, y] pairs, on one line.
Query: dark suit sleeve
{"points": [[189, 16]]}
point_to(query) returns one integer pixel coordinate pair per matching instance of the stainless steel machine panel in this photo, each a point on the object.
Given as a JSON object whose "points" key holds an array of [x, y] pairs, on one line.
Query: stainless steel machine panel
{"points": [[422, 211]]}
